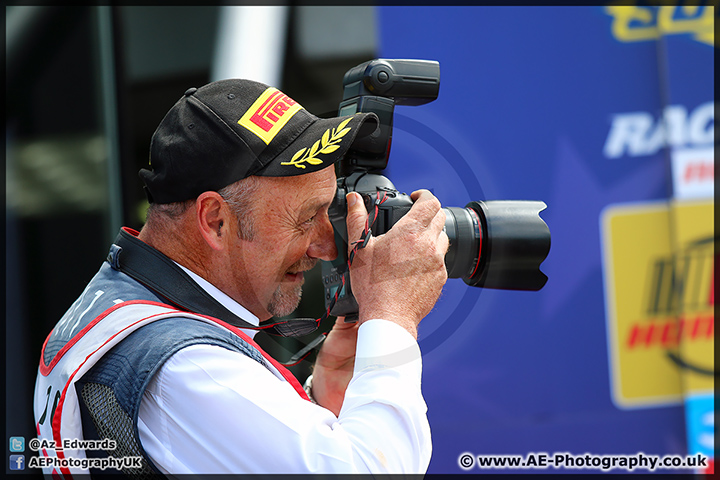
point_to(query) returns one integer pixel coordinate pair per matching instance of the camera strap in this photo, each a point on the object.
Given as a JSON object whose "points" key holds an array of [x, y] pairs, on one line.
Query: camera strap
{"points": [[160, 274]]}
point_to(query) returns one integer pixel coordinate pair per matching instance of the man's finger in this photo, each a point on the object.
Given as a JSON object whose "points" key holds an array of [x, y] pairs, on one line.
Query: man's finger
{"points": [[356, 218], [443, 243], [438, 221], [425, 207]]}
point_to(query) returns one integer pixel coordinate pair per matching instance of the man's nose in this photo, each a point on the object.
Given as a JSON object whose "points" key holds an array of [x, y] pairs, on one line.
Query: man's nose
{"points": [[323, 246]]}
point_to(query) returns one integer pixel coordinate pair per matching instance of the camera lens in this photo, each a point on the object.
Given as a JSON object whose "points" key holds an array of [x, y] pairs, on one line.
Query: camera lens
{"points": [[462, 226], [497, 244]]}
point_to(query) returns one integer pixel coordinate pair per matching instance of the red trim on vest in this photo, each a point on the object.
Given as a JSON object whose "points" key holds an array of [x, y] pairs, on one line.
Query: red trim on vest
{"points": [[287, 375], [46, 369], [58, 418], [131, 231]]}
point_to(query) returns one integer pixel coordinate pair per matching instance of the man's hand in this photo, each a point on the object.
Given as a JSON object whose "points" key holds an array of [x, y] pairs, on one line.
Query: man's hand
{"points": [[399, 275], [334, 365]]}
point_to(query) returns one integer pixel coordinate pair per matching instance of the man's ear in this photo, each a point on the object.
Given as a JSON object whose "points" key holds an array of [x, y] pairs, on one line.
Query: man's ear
{"points": [[212, 214]]}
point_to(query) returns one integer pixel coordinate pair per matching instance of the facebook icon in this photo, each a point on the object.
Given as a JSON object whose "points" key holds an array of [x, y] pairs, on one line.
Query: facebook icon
{"points": [[17, 462]]}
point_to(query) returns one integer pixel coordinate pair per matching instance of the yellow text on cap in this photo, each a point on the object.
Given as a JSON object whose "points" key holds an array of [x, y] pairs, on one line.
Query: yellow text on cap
{"points": [[270, 112]]}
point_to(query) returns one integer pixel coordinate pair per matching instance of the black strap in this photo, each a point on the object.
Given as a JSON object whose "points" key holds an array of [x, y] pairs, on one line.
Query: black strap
{"points": [[150, 267]]}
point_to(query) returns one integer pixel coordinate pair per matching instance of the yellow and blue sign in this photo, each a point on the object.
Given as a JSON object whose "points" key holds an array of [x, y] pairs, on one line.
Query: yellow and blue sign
{"points": [[634, 23], [659, 266]]}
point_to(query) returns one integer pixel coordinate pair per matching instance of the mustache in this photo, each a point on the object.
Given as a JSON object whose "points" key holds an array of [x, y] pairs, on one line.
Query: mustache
{"points": [[305, 263]]}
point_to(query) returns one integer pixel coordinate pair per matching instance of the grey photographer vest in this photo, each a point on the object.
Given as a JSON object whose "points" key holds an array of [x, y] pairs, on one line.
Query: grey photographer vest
{"points": [[99, 359]]}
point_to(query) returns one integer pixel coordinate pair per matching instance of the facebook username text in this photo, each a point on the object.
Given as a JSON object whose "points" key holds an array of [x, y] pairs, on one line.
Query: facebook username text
{"points": [[584, 461], [86, 463]]}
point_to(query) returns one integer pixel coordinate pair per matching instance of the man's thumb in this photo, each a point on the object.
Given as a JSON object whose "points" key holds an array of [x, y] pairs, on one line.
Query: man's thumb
{"points": [[356, 217]]}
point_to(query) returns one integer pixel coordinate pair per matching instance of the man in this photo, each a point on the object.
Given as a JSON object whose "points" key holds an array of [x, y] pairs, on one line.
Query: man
{"points": [[157, 354]]}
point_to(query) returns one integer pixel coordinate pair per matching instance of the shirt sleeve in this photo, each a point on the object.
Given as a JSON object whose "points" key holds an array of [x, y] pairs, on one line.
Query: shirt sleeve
{"points": [[212, 410]]}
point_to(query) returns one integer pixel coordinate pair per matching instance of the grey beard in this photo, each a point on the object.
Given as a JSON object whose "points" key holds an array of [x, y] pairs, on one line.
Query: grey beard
{"points": [[284, 301]]}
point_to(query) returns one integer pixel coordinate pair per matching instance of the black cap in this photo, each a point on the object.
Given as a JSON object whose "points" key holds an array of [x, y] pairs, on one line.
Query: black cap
{"points": [[231, 129]]}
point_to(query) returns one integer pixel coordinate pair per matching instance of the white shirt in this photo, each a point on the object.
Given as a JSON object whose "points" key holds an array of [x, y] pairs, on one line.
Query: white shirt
{"points": [[212, 410]]}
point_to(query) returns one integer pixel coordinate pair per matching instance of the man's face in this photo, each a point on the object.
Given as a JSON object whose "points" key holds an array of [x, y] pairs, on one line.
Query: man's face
{"points": [[292, 232]]}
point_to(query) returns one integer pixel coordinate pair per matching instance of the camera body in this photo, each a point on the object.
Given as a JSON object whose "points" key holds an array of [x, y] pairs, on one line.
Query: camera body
{"points": [[497, 244], [336, 276]]}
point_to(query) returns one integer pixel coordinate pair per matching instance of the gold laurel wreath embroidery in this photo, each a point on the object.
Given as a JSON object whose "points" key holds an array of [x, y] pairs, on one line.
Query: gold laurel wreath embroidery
{"points": [[327, 144]]}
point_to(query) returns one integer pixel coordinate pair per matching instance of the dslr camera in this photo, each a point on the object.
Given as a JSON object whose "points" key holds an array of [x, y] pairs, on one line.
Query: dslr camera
{"points": [[493, 244]]}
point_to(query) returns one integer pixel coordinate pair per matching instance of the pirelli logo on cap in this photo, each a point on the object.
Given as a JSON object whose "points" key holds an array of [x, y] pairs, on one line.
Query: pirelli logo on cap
{"points": [[269, 114]]}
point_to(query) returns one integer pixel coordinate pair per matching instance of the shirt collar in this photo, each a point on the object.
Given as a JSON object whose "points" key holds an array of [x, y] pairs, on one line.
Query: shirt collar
{"points": [[225, 300]]}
